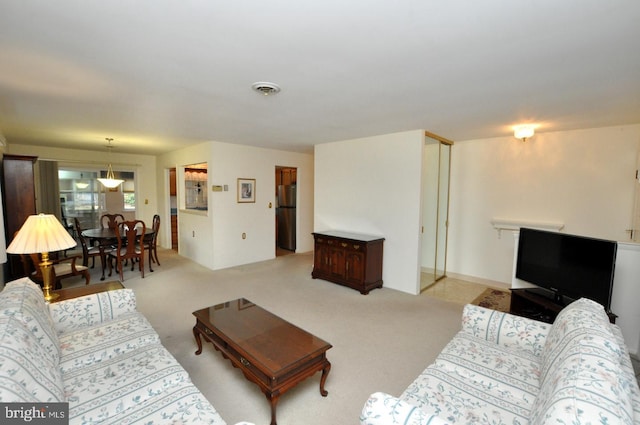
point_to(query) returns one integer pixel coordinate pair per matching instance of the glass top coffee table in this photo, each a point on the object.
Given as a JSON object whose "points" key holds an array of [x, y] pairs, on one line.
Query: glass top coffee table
{"points": [[270, 352]]}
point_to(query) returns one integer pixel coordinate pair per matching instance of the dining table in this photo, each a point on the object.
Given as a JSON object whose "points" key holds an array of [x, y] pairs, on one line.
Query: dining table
{"points": [[106, 236]]}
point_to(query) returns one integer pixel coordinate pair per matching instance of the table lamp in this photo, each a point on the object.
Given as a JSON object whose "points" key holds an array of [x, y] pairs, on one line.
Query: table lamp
{"points": [[42, 234]]}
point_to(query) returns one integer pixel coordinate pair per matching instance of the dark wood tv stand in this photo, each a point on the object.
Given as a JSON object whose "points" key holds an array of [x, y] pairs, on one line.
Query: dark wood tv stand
{"points": [[538, 307]]}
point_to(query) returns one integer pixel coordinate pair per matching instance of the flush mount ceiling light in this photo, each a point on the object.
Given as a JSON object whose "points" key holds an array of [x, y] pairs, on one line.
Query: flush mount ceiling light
{"points": [[266, 88], [524, 131], [111, 181]]}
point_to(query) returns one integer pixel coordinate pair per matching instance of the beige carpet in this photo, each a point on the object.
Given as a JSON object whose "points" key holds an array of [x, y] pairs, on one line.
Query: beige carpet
{"points": [[381, 341]]}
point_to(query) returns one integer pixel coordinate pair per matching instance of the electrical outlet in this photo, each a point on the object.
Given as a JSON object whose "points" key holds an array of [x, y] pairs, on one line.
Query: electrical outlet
{"points": [[244, 236], [193, 233]]}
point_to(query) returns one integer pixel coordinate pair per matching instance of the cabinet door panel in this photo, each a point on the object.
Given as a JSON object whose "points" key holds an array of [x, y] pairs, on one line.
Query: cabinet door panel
{"points": [[355, 267], [322, 260], [337, 262]]}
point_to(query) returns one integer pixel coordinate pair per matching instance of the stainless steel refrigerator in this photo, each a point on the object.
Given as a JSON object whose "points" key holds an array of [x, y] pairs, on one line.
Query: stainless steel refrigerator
{"points": [[286, 213]]}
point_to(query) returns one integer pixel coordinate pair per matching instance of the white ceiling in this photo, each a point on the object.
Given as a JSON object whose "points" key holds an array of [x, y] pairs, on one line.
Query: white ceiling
{"points": [[160, 75]]}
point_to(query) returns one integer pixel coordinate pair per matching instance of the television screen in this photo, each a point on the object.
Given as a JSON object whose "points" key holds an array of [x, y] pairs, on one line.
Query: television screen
{"points": [[567, 265]]}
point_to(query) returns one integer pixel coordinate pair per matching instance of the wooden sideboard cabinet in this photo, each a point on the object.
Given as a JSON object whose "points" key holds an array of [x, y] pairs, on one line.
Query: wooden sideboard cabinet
{"points": [[348, 259]]}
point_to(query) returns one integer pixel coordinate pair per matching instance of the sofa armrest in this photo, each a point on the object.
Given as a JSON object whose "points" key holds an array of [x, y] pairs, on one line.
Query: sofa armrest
{"points": [[82, 312], [505, 329], [385, 409]]}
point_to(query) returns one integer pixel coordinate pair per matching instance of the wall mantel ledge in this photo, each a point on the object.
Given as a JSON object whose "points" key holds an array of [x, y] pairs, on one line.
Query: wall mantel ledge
{"points": [[501, 224]]}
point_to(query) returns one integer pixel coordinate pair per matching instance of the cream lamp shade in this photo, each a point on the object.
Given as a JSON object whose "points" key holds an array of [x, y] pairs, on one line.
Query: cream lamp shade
{"points": [[41, 233]]}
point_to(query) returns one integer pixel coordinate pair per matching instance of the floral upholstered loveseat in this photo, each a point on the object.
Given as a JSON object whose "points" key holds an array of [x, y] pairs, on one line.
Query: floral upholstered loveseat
{"points": [[505, 369], [98, 354]]}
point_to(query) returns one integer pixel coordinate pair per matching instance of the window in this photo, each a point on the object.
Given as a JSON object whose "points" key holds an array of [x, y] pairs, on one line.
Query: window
{"points": [[84, 198]]}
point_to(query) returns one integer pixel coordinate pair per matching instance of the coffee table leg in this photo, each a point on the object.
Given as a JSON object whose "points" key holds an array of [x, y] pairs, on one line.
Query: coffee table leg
{"points": [[273, 399], [323, 379], [196, 334]]}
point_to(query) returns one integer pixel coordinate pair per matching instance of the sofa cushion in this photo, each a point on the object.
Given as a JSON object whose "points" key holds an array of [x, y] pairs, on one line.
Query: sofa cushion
{"points": [[113, 386], [579, 319], [505, 329], [23, 300], [182, 404], [585, 387], [504, 372], [86, 346], [474, 380], [81, 312], [381, 409], [26, 370]]}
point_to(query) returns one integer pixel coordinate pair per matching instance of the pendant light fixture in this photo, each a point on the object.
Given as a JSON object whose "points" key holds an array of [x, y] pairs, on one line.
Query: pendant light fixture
{"points": [[111, 181]]}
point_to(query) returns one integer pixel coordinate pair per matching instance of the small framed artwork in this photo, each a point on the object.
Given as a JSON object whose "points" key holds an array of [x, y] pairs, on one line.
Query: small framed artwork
{"points": [[246, 190]]}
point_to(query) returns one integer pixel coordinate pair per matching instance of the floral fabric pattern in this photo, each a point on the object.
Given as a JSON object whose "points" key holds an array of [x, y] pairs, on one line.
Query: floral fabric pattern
{"points": [[505, 329], [23, 300], [26, 372], [585, 386], [383, 408], [91, 310], [97, 353], [86, 346], [506, 370]]}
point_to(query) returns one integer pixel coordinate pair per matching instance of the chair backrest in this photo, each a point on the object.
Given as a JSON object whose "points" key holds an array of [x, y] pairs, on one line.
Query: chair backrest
{"points": [[156, 227], [130, 237], [111, 221], [83, 241]]}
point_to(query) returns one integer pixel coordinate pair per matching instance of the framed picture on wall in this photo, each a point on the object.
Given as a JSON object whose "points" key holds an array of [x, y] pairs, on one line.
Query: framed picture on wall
{"points": [[246, 190]]}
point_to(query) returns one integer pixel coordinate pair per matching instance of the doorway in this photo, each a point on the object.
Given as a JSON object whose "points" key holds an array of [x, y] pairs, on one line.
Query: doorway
{"points": [[435, 208], [173, 208], [285, 218]]}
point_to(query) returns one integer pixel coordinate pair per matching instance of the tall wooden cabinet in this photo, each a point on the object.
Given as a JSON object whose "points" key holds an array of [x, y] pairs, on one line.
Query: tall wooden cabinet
{"points": [[19, 202], [348, 259]]}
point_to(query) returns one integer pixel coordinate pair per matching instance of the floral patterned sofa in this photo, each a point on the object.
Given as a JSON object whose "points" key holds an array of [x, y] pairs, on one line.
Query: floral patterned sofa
{"points": [[505, 369], [98, 354]]}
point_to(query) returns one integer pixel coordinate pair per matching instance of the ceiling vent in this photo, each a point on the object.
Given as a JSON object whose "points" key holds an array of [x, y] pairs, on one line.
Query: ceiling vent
{"points": [[266, 88]]}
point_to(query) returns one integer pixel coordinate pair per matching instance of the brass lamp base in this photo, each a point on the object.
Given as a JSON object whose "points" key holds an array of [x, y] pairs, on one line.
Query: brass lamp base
{"points": [[47, 277]]}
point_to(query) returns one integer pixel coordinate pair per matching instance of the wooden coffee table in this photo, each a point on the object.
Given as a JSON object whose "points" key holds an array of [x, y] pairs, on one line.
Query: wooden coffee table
{"points": [[271, 352]]}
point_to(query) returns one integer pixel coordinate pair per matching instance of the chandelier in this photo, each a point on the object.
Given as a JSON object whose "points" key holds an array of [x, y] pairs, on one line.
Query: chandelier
{"points": [[111, 181]]}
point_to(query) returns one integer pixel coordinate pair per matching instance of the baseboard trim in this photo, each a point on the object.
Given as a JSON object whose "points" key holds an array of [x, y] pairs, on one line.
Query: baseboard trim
{"points": [[486, 282]]}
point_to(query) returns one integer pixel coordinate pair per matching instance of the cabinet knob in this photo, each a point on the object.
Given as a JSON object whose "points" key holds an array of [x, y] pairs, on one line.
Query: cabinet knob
{"points": [[344, 245], [356, 246], [244, 361]]}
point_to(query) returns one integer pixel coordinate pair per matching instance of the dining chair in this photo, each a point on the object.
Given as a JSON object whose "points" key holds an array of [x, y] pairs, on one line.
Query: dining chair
{"points": [[130, 237], [92, 251], [151, 242], [111, 220]]}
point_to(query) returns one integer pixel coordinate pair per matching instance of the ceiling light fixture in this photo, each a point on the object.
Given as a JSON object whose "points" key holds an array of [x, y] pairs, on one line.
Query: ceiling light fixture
{"points": [[266, 88], [111, 181], [523, 132]]}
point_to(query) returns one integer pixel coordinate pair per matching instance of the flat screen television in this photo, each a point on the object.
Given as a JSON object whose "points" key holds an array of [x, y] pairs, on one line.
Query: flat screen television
{"points": [[568, 266]]}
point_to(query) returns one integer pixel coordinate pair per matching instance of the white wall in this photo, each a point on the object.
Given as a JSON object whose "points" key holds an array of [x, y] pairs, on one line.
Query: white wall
{"points": [[218, 233], [582, 178], [372, 186]]}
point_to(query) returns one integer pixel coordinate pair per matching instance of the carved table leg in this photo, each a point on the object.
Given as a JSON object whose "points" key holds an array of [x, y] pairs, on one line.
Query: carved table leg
{"points": [[196, 334], [273, 399], [323, 379]]}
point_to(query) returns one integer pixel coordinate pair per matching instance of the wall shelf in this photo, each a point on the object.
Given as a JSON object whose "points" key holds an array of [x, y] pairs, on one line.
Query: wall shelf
{"points": [[501, 224]]}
